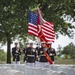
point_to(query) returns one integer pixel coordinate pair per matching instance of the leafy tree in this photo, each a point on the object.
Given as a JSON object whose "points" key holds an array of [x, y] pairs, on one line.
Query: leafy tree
{"points": [[14, 18], [13, 21], [59, 52], [69, 50]]}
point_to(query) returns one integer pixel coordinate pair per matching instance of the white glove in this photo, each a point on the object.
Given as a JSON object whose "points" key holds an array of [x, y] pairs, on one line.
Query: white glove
{"points": [[16, 51], [50, 54]]}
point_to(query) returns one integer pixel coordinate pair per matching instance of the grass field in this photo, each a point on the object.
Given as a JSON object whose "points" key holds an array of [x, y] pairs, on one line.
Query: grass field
{"points": [[64, 61], [60, 61]]}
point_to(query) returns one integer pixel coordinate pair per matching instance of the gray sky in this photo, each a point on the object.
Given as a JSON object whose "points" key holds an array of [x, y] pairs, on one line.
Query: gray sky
{"points": [[63, 41]]}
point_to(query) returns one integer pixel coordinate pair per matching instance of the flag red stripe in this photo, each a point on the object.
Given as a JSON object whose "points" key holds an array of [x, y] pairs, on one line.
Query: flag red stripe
{"points": [[49, 37], [32, 32], [47, 30], [47, 26], [32, 25], [50, 23], [47, 33], [34, 29]]}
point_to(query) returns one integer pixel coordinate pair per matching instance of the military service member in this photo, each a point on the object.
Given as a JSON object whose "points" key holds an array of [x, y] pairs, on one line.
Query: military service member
{"points": [[30, 55], [51, 52], [24, 51], [42, 57], [16, 52]]}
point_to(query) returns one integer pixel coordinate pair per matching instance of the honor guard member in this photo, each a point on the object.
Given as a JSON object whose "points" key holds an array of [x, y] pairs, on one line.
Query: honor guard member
{"points": [[30, 55], [24, 51], [42, 57], [51, 52], [16, 54], [37, 49]]}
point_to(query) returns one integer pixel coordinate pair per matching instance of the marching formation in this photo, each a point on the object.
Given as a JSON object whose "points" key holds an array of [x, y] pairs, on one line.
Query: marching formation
{"points": [[42, 29], [33, 55]]}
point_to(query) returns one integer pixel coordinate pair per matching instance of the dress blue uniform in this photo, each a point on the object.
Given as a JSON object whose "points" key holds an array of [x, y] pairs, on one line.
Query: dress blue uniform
{"points": [[16, 55], [30, 55], [42, 57], [51, 52]]}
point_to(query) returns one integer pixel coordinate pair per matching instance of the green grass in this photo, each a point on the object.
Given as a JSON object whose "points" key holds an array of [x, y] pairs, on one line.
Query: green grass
{"points": [[2, 62], [64, 61], [60, 61]]}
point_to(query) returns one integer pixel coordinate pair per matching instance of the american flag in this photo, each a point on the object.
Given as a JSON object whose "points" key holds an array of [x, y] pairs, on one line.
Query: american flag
{"points": [[47, 28], [33, 24]]}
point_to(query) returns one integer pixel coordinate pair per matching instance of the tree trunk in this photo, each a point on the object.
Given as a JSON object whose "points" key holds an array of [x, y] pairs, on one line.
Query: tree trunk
{"points": [[8, 50]]}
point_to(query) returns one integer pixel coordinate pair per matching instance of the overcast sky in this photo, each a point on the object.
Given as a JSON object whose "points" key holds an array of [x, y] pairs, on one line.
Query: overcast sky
{"points": [[63, 41]]}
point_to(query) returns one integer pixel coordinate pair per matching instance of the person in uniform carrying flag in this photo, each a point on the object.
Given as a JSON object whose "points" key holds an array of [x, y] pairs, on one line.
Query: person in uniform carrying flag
{"points": [[42, 58], [51, 52], [30, 56], [16, 52]]}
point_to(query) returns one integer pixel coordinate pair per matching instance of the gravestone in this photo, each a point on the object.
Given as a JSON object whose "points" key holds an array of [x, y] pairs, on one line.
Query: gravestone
{"points": [[61, 73], [71, 71], [49, 72], [54, 73], [4, 69], [44, 71], [14, 72]]}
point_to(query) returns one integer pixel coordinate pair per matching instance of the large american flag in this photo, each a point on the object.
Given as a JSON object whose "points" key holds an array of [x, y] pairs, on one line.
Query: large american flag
{"points": [[47, 28]]}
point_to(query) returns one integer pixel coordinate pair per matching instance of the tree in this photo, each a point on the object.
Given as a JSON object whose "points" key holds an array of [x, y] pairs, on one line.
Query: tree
{"points": [[13, 21], [59, 52], [14, 18], [69, 50]]}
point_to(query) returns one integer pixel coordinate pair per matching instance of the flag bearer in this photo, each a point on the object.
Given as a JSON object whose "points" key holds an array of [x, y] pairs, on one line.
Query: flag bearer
{"points": [[42, 57], [51, 52]]}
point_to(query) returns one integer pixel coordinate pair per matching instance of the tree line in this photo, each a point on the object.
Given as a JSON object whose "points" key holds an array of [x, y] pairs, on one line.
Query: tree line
{"points": [[68, 51]]}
